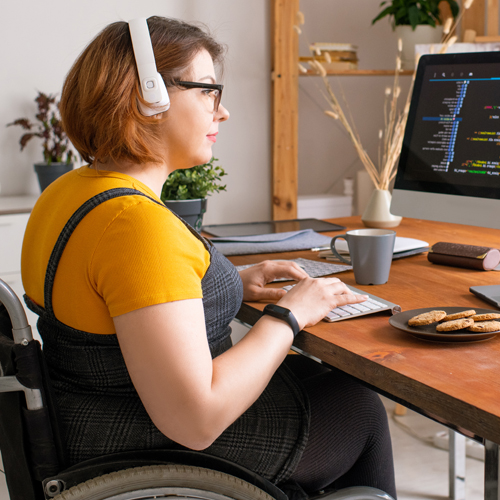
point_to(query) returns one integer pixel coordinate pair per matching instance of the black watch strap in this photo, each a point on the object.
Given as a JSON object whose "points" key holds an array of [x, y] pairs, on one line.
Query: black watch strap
{"points": [[284, 314]]}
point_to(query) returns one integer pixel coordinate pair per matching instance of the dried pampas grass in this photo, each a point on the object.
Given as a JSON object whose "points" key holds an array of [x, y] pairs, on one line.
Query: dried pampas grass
{"points": [[447, 25], [391, 137], [302, 68]]}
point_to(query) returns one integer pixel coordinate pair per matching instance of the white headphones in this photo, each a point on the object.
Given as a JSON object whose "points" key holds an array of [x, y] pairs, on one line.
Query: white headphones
{"points": [[153, 87]]}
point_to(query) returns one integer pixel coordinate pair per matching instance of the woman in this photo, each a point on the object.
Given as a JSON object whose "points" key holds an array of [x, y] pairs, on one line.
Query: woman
{"points": [[135, 307]]}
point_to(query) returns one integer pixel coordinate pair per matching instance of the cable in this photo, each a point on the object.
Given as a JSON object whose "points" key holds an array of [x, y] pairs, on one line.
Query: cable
{"points": [[411, 432]]}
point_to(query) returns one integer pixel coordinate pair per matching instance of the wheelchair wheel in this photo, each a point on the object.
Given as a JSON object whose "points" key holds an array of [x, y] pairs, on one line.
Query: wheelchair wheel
{"points": [[164, 481]]}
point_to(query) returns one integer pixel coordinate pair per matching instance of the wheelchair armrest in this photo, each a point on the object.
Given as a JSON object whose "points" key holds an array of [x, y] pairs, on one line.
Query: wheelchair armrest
{"points": [[33, 396], [21, 330]]}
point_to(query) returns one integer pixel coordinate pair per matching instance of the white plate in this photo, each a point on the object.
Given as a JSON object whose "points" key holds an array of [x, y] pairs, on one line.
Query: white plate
{"points": [[428, 332]]}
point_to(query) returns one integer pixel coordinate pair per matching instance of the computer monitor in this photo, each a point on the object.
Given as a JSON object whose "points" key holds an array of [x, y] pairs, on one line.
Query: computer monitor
{"points": [[449, 169]]}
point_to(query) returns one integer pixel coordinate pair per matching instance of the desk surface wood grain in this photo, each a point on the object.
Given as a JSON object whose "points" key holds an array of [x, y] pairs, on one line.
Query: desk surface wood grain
{"points": [[457, 383]]}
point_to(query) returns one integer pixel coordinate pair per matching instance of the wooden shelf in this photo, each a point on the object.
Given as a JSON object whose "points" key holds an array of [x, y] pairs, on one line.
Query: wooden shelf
{"points": [[361, 72]]}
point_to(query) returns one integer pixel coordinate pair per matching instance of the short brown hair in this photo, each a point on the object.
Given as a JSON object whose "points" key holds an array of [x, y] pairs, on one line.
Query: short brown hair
{"points": [[99, 101]]}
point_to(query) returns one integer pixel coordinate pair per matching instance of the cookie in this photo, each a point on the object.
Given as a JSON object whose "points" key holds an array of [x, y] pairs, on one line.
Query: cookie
{"points": [[485, 326], [485, 317], [456, 324], [458, 315], [426, 318]]}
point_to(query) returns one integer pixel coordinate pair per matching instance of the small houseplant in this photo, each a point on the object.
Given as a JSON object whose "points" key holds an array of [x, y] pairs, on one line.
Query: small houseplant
{"points": [[185, 191], [415, 21], [415, 12], [57, 152]]}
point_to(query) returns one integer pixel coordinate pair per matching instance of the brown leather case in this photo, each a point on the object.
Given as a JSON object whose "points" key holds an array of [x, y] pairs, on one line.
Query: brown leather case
{"points": [[469, 256]]}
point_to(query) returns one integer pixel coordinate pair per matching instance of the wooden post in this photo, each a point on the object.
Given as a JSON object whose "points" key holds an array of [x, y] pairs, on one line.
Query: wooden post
{"points": [[474, 17], [285, 59], [492, 20]]}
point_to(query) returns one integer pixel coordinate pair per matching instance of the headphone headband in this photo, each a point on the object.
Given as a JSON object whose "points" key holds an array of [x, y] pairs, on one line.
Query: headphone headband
{"points": [[152, 86]]}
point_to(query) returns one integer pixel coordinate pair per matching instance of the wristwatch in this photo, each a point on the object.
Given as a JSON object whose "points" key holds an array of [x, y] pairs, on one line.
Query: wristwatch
{"points": [[284, 314]]}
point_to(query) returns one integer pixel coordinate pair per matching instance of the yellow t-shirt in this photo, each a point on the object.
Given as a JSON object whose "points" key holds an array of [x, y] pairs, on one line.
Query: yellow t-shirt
{"points": [[126, 254]]}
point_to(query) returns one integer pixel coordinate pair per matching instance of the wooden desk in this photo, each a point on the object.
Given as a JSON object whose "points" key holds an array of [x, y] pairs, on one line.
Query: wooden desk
{"points": [[457, 384]]}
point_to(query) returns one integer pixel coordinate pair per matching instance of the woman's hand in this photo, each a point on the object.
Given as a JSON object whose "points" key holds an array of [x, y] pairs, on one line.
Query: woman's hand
{"points": [[256, 277], [312, 298]]}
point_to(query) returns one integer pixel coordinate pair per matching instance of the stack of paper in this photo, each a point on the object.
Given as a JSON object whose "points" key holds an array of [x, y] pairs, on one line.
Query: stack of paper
{"points": [[403, 247]]}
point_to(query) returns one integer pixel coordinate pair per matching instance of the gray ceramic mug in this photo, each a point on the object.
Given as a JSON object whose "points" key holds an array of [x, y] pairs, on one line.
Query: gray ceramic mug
{"points": [[371, 254]]}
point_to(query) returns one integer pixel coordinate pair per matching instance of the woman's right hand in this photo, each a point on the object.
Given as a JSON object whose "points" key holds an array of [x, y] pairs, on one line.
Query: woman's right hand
{"points": [[312, 298]]}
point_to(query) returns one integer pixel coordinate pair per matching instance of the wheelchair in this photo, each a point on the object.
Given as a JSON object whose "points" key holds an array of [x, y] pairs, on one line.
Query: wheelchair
{"points": [[33, 451]]}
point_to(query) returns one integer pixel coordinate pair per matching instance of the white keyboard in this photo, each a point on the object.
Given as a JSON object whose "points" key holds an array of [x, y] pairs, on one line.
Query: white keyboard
{"points": [[374, 304], [313, 268]]}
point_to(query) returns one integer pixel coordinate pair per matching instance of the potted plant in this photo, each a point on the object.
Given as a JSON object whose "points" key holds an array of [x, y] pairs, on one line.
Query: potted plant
{"points": [[57, 152], [185, 191], [415, 21]]}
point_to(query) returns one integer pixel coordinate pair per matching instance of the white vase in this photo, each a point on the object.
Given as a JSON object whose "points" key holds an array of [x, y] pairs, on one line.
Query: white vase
{"points": [[423, 33], [377, 213]]}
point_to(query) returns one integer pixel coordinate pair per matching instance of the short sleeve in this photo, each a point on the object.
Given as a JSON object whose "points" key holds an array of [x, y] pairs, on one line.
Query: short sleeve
{"points": [[147, 256]]}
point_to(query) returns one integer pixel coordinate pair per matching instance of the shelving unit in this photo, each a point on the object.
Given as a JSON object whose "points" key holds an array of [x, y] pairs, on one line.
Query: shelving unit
{"points": [[285, 74], [361, 72]]}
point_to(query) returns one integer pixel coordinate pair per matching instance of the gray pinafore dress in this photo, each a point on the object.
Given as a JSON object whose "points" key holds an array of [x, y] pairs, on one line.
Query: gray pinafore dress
{"points": [[100, 410]]}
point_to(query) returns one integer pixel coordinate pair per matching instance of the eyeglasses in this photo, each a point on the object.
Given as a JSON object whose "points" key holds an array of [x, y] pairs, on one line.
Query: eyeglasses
{"points": [[213, 90]]}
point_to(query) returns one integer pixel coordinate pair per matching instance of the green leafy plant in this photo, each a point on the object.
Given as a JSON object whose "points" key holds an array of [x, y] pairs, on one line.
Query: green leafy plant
{"points": [[193, 183], [56, 145], [415, 12]]}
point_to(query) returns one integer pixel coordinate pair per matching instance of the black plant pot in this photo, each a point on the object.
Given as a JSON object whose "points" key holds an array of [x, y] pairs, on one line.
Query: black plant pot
{"points": [[190, 210], [49, 173]]}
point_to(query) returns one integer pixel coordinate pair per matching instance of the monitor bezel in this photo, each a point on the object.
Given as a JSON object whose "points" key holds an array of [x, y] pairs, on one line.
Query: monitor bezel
{"points": [[436, 187]]}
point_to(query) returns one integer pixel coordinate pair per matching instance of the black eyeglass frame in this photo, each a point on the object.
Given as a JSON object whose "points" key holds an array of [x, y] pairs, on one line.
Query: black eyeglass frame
{"points": [[199, 85]]}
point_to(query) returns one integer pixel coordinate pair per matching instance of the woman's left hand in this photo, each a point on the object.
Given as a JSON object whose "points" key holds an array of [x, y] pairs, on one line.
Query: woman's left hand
{"points": [[256, 277]]}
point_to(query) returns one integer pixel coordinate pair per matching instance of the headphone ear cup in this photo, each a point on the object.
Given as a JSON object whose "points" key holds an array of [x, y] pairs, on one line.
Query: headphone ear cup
{"points": [[160, 106], [153, 88]]}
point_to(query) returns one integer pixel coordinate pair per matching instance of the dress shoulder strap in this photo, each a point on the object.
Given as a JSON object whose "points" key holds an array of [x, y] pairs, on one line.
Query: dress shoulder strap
{"points": [[68, 229]]}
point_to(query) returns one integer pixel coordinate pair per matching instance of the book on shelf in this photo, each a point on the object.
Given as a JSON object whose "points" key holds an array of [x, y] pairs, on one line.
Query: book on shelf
{"points": [[333, 65], [317, 47], [341, 56]]}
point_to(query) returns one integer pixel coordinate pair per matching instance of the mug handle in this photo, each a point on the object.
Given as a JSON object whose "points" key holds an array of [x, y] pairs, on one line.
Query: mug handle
{"points": [[334, 250]]}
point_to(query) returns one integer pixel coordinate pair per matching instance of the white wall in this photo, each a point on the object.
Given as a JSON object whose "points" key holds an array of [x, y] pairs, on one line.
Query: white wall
{"points": [[41, 39]]}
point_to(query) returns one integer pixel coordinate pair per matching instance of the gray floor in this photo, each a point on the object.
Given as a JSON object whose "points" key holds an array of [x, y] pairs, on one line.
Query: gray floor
{"points": [[421, 468]]}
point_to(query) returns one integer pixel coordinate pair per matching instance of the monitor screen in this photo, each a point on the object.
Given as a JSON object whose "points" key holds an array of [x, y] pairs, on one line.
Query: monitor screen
{"points": [[449, 169]]}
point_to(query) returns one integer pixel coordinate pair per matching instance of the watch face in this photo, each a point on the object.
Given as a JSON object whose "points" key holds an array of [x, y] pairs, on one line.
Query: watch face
{"points": [[283, 314], [280, 309]]}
